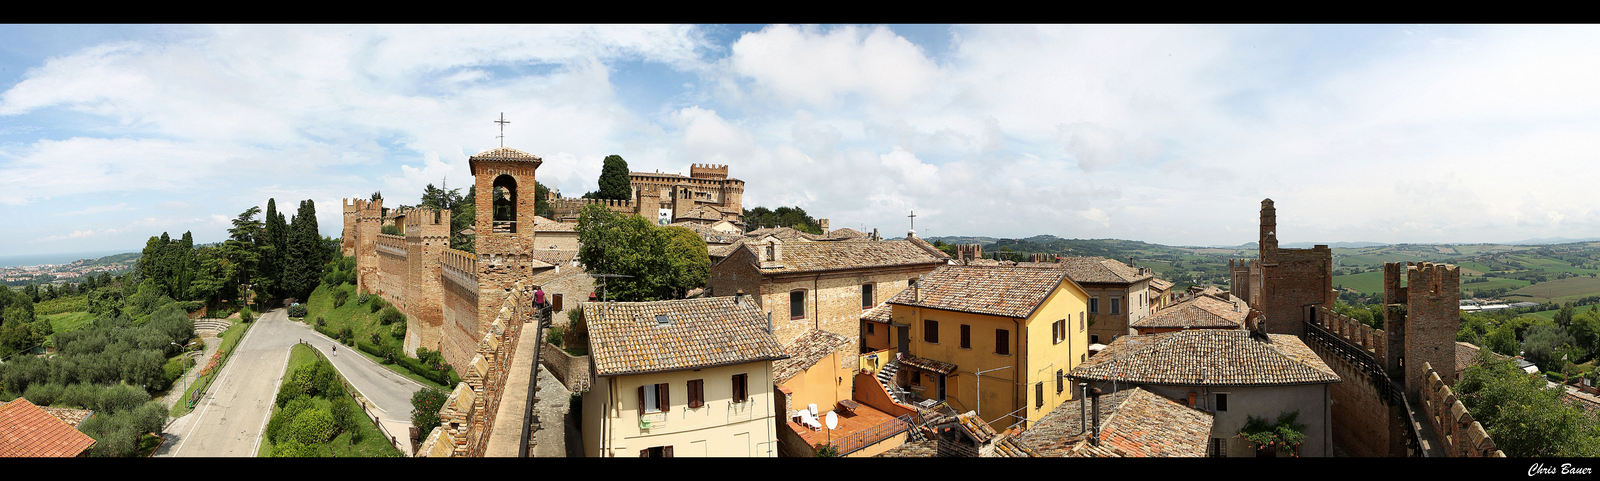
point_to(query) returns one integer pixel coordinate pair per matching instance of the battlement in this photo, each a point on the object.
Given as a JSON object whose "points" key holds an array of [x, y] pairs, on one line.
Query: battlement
{"points": [[967, 252], [460, 260], [392, 242], [1357, 332], [708, 171], [571, 202], [1458, 434], [1433, 279]]}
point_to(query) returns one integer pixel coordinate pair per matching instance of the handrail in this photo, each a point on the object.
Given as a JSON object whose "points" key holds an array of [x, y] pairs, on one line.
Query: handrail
{"points": [[1375, 373], [872, 435]]}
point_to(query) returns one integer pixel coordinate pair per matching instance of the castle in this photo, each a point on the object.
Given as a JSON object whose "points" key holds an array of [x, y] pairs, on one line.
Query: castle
{"points": [[1395, 399], [707, 195]]}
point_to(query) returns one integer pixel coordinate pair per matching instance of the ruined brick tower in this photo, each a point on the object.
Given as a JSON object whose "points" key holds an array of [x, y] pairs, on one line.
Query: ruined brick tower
{"points": [[368, 223], [1421, 320], [1284, 284]]}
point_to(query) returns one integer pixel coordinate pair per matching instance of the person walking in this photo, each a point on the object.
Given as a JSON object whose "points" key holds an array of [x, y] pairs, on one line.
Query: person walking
{"points": [[538, 297]]}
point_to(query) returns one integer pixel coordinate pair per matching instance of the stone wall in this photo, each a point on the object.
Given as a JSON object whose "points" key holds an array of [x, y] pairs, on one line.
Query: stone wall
{"points": [[1433, 316], [391, 269], [1459, 435], [572, 371], [427, 237], [1356, 332], [1364, 423], [468, 413]]}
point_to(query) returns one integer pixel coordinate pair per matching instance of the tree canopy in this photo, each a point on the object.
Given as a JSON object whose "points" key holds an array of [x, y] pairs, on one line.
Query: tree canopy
{"points": [[1524, 416], [615, 182], [792, 217], [661, 262]]}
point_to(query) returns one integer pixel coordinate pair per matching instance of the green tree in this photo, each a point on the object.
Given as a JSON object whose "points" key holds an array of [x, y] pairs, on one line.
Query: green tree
{"points": [[241, 249], [1550, 347], [1524, 416], [1585, 329], [1503, 340], [303, 266], [614, 180], [1564, 316], [792, 217], [273, 246], [461, 219], [660, 263]]}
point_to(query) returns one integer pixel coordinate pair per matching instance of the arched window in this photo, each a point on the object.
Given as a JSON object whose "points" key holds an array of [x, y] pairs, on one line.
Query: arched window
{"points": [[505, 204]]}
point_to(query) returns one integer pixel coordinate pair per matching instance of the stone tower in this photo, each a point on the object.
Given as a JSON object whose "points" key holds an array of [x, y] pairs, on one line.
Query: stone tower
{"points": [[369, 223], [504, 229], [1421, 320], [427, 233], [1268, 245], [1284, 283]]}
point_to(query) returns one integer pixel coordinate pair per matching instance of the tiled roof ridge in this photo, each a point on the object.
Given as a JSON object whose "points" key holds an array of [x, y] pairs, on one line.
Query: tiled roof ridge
{"points": [[1131, 349]]}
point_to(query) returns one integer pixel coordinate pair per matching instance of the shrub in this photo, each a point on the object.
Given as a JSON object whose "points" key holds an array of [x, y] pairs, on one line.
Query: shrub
{"points": [[375, 338], [313, 426], [339, 297], [321, 322], [363, 298], [553, 336], [277, 427], [376, 304], [399, 331], [81, 395], [344, 414], [576, 335], [425, 406], [246, 315], [297, 310], [44, 394], [121, 397], [390, 315]]}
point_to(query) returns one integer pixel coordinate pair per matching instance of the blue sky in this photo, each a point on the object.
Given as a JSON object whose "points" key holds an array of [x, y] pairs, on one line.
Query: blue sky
{"points": [[1170, 134]]}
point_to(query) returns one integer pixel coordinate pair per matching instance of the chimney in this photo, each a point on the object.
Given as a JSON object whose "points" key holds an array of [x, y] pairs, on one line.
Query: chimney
{"points": [[1130, 261], [823, 223], [1094, 433], [738, 298], [916, 292], [769, 322], [1083, 408]]}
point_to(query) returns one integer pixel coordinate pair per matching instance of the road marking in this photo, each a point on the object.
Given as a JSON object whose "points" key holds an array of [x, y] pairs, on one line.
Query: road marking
{"points": [[364, 358], [277, 385], [226, 370]]}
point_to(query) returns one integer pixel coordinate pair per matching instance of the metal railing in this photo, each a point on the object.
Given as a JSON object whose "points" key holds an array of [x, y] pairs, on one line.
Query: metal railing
{"points": [[874, 434], [1369, 365]]}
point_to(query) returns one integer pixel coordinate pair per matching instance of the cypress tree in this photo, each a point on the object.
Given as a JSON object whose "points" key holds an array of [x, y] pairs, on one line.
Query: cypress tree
{"points": [[305, 256], [614, 182], [275, 234]]}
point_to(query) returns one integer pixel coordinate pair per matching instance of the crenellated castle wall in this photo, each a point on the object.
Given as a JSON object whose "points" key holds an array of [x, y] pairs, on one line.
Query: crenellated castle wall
{"points": [[1459, 435]]}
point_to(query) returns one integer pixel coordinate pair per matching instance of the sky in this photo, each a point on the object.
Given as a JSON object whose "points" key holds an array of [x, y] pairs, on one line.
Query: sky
{"points": [[1170, 134]]}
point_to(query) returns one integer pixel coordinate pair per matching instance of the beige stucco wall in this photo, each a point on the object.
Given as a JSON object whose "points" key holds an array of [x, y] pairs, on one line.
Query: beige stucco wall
{"points": [[1310, 400], [1135, 305], [824, 384], [611, 417], [1033, 357]]}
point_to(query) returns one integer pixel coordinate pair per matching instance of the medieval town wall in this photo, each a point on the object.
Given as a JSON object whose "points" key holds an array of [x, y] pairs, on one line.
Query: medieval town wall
{"points": [[1459, 435], [467, 418]]}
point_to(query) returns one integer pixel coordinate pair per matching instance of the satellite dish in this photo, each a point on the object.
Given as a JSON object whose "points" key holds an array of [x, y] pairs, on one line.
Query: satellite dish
{"points": [[832, 420]]}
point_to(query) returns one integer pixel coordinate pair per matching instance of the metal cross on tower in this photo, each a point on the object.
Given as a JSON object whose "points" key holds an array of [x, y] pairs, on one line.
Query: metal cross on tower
{"points": [[502, 123], [913, 217]]}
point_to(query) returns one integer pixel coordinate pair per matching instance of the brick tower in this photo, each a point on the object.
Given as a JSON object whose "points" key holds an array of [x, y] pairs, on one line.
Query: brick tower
{"points": [[504, 232], [1421, 320], [427, 234], [1284, 283]]}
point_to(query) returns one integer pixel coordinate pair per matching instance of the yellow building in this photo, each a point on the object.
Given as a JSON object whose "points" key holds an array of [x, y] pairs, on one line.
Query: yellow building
{"points": [[1022, 328], [690, 377]]}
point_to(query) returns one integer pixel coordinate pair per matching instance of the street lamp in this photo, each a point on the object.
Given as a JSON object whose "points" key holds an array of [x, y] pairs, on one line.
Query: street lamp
{"points": [[185, 376]]}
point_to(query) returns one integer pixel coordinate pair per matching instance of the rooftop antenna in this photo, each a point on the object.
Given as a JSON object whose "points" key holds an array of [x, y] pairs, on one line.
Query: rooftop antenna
{"points": [[502, 123]]}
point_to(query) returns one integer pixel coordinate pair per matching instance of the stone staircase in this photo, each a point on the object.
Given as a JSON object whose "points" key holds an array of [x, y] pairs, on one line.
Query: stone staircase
{"points": [[886, 378], [212, 325]]}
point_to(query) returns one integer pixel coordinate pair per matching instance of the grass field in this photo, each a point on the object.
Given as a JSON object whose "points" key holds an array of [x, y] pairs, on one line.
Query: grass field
{"points": [[1560, 290], [372, 444], [230, 339], [62, 304], [67, 321], [1366, 282], [361, 321]]}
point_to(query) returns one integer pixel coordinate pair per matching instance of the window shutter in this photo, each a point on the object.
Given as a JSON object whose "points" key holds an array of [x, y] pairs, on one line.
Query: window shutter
{"points": [[557, 303], [644, 453], [641, 400], [666, 452], [662, 390]]}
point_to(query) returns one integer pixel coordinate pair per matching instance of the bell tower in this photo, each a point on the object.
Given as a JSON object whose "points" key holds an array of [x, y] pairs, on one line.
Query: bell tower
{"points": [[503, 180]]}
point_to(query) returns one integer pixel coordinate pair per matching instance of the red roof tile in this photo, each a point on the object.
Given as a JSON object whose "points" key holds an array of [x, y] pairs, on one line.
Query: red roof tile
{"points": [[26, 431]]}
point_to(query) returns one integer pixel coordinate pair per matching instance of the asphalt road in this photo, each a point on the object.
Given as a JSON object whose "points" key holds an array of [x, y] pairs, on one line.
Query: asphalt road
{"points": [[230, 419]]}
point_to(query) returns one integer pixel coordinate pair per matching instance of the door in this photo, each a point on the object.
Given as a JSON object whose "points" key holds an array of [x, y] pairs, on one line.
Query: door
{"points": [[903, 339], [941, 387]]}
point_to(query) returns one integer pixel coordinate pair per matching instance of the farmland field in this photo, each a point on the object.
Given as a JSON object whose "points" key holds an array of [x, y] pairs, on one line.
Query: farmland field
{"points": [[1560, 290]]}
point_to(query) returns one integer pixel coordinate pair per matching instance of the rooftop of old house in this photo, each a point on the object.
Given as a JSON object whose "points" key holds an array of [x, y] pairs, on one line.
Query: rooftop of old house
{"points": [[1198, 312], [822, 256], [1160, 284], [659, 336], [1207, 357], [863, 419], [994, 290], [1148, 425], [1100, 270], [28, 431], [879, 313], [805, 351]]}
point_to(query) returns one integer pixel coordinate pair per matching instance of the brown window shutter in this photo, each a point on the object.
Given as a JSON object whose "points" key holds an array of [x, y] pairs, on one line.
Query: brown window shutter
{"points": [[557, 304], [662, 390], [697, 396], [666, 452], [644, 453], [641, 400]]}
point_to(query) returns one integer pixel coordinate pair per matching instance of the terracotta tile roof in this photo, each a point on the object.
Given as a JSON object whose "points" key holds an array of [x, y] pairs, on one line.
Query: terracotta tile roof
{"points": [[702, 212], [784, 233], [880, 313], [502, 154], [1005, 444], [1207, 357], [805, 351], [1198, 312], [1467, 355], [821, 256], [26, 431], [926, 448], [998, 290], [1148, 425], [1056, 433], [541, 224], [70, 416], [926, 364], [1160, 284], [846, 233], [552, 257], [1100, 270], [626, 337], [711, 236]]}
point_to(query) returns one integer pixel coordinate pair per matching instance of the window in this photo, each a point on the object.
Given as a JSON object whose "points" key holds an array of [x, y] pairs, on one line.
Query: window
{"points": [[866, 296], [1222, 402], [1084, 356], [869, 327], [966, 336], [1094, 339], [1218, 450], [1038, 395], [1094, 304], [1081, 324], [916, 377], [739, 385], [930, 331], [797, 304], [771, 252], [1116, 305], [656, 452], [697, 393], [653, 398], [1059, 381], [1002, 341], [912, 282], [1059, 328]]}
